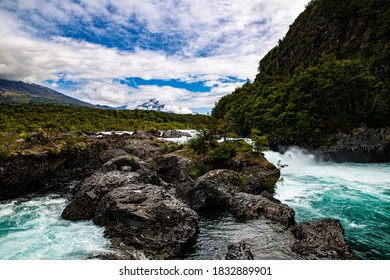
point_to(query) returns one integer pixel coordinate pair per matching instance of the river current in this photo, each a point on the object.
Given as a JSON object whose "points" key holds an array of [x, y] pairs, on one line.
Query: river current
{"points": [[356, 194]]}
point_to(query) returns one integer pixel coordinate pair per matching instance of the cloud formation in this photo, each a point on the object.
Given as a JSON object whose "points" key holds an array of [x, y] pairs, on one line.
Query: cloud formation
{"points": [[95, 44]]}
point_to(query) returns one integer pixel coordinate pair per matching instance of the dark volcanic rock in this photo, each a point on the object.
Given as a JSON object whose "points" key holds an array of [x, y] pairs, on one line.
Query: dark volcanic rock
{"points": [[215, 189], [147, 217], [246, 206], [23, 174], [173, 168], [144, 147], [113, 174], [362, 145], [321, 240], [257, 172], [174, 134], [239, 251]]}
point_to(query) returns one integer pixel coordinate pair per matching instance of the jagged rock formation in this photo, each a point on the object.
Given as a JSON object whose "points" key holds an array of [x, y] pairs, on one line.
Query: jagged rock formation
{"points": [[148, 218], [321, 240]]}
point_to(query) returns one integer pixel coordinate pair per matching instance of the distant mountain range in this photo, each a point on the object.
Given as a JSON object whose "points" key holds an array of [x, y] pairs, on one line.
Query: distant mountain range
{"points": [[18, 92]]}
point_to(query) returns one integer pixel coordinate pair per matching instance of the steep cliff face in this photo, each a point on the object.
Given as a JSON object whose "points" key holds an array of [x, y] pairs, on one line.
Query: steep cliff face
{"points": [[25, 174], [350, 29], [330, 74]]}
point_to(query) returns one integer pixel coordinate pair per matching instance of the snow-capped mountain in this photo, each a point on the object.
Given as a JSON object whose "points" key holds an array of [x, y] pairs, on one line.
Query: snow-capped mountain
{"points": [[152, 104]]}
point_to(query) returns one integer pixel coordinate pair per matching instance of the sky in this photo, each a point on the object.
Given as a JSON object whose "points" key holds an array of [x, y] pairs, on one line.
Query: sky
{"points": [[185, 53]]}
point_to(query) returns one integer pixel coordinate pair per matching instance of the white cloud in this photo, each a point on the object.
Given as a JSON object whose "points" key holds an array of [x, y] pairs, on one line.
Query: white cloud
{"points": [[231, 37]]}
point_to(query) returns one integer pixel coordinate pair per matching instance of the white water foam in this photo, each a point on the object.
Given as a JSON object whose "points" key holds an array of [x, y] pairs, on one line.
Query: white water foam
{"points": [[35, 230], [356, 194]]}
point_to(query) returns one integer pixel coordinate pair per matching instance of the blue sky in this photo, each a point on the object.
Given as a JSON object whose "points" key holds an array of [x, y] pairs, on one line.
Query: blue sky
{"points": [[186, 53]]}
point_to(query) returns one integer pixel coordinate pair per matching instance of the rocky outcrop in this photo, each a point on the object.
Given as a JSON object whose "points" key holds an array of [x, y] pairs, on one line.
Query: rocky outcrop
{"points": [[42, 169], [362, 145], [128, 198], [215, 189], [239, 251], [23, 174], [147, 217], [113, 174], [321, 240], [223, 189], [256, 172], [173, 134], [246, 206], [173, 168]]}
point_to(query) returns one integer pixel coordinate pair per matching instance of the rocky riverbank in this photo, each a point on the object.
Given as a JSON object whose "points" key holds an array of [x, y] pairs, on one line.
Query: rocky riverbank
{"points": [[142, 193], [362, 145]]}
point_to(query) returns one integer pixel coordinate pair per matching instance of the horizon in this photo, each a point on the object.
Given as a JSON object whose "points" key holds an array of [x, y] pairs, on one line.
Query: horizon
{"points": [[187, 54]]}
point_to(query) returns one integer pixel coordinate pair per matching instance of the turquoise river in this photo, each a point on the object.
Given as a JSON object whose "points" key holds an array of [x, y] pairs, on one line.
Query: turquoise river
{"points": [[356, 194]]}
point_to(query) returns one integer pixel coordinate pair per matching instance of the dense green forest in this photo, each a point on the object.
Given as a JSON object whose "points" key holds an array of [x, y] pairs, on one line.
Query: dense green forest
{"points": [[330, 73], [56, 118]]}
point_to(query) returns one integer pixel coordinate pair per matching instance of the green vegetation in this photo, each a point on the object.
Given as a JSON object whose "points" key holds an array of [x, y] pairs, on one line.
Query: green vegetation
{"points": [[55, 118], [213, 154], [330, 73], [40, 142]]}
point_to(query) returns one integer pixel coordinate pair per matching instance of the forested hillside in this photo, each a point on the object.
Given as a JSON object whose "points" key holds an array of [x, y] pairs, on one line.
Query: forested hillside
{"points": [[56, 118], [330, 73]]}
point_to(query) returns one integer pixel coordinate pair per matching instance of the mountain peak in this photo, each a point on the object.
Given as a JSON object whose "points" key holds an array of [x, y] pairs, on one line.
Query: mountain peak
{"points": [[152, 104]]}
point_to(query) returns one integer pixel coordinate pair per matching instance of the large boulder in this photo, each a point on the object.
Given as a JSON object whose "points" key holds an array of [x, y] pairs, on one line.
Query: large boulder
{"points": [[173, 168], [115, 173], [148, 218], [257, 172], [215, 189], [322, 239], [246, 206]]}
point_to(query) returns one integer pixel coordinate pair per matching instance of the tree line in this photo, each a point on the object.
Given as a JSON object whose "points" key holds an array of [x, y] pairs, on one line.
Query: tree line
{"points": [[57, 118]]}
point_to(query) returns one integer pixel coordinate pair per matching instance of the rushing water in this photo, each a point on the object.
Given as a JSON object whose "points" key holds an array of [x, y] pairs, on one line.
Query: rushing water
{"points": [[356, 194], [267, 239], [33, 229]]}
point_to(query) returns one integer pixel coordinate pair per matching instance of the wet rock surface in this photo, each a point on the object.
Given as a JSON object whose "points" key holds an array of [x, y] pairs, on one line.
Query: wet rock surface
{"points": [[246, 206], [322, 239], [173, 168], [215, 189], [113, 174], [149, 218]]}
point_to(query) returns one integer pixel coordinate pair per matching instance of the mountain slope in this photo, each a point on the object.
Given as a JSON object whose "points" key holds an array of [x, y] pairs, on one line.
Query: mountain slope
{"points": [[329, 74], [17, 92]]}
